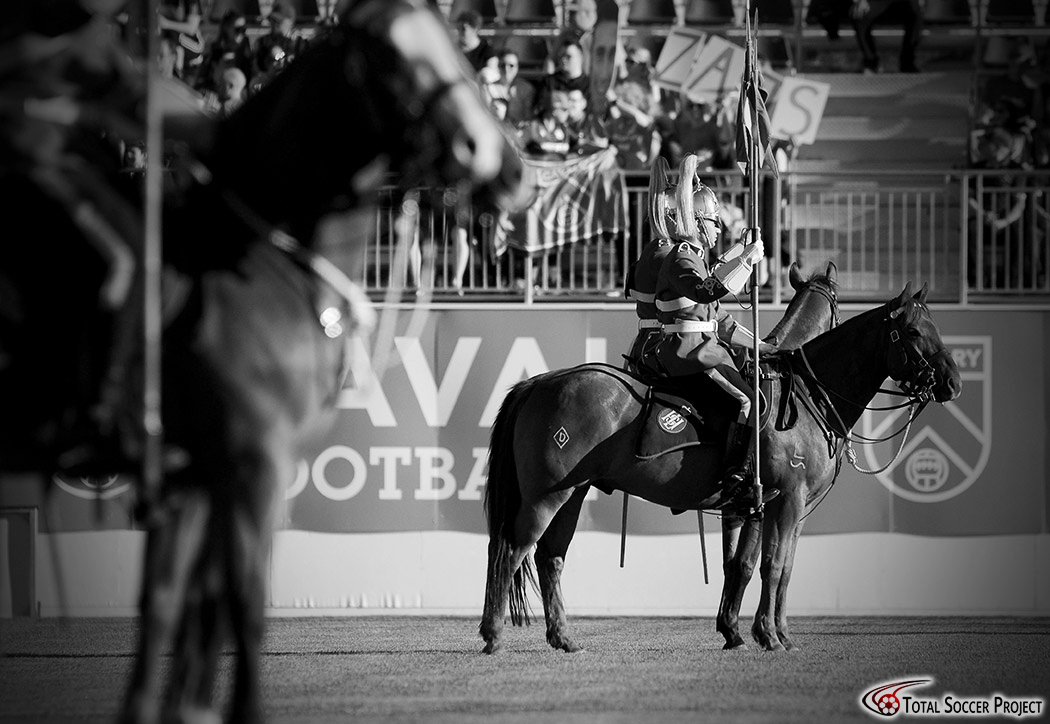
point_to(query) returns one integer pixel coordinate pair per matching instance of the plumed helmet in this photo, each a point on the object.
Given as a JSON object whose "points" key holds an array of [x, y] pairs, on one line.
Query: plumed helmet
{"points": [[667, 204], [695, 201], [663, 201], [705, 203]]}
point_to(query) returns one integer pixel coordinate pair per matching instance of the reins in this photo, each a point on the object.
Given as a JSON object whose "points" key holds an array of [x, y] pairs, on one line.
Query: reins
{"points": [[917, 391]]}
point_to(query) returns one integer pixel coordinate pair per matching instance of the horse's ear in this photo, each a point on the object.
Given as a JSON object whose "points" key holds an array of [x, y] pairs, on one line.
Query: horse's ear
{"points": [[795, 276], [903, 295], [920, 295], [832, 272]]}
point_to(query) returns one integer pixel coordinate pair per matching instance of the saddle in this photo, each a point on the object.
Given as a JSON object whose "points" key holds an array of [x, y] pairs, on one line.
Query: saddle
{"points": [[682, 412]]}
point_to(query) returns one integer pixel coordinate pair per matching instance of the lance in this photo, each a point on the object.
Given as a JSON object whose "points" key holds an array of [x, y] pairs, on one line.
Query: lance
{"points": [[752, 222]]}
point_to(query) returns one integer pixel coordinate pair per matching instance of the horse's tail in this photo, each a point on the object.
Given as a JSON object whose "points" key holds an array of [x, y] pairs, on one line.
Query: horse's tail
{"points": [[502, 502]]}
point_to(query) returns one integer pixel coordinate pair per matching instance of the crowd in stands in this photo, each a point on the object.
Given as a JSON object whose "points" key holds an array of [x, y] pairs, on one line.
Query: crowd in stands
{"points": [[1011, 132], [1012, 117], [562, 113]]}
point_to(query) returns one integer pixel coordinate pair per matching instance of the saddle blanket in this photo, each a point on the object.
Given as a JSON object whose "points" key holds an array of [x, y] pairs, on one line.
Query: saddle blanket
{"points": [[671, 423]]}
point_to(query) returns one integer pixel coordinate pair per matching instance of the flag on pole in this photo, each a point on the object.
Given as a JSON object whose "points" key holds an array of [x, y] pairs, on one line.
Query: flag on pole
{"points": [[752, 120]]}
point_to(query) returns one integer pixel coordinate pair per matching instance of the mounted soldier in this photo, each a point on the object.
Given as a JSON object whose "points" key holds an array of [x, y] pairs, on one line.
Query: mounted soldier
{"points": [[696, 332], [640, 283]]}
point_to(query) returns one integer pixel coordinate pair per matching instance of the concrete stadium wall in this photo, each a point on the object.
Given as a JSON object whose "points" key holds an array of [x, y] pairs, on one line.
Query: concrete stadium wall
{"points": [[443, 573]]}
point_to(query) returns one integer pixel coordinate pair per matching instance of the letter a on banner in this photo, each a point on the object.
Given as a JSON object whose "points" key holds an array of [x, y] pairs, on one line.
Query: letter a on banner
{"points": [[676, 57], [715, 71]]}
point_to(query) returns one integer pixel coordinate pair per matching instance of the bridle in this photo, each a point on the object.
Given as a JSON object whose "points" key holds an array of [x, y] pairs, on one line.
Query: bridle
{"points": [[368, 22], [918, 379]]}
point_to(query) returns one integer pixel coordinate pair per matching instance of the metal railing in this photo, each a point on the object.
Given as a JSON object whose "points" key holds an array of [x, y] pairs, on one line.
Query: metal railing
{"points": [[975, 236]]}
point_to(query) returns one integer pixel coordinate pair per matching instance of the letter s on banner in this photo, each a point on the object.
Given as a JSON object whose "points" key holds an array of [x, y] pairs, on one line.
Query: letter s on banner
{"points": [[799, 108]]}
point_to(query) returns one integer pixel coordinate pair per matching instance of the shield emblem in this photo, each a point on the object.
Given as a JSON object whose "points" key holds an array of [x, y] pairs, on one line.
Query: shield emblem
{"points": [[672, 422], [948, 447]]}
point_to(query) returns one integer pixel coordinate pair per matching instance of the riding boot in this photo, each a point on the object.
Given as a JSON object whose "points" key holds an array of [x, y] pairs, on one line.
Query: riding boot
{"points": [[739, 495]]}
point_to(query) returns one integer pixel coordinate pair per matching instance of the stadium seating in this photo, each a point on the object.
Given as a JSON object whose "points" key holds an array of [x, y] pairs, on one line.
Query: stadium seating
{"points": [[652, 12], [709, 12], [537, 12], [486, 8]]}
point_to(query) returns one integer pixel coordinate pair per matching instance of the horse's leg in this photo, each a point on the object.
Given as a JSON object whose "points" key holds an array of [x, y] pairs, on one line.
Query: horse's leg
{"points": [[550, 561], [252, 520], [779, 524], [741, 538], [781, 599], [199, 643], [173, 548], [506, 556]]}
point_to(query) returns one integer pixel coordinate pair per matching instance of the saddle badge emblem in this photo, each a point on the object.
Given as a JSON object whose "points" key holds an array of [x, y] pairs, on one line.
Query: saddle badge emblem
{"points": [[671, 421]]}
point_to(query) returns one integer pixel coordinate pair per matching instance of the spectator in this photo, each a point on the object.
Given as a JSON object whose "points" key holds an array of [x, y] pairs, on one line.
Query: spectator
{"points": [[282, 35], [702, 128], [866, 13], [582, 17], [492, 87], [546, 136], [587, 133], [568, 76], [180, 22], [631, 126], [231, 47], [521, 94], [480, 54], [1001, 211], [231, 89]]}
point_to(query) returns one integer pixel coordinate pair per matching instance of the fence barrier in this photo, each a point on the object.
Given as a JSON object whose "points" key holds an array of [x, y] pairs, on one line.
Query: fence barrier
{"points": [[975, 236]]}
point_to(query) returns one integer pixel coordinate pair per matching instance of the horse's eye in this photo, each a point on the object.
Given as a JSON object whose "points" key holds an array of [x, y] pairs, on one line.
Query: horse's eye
{"points": [[914, 333]]}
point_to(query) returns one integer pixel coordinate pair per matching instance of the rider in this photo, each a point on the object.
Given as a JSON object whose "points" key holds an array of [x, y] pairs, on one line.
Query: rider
{"points": [[696, 332], [640, 284]]}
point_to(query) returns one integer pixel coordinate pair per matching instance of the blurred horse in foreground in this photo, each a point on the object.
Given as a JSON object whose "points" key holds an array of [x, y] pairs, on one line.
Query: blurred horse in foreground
{"points": [[256, 322]]}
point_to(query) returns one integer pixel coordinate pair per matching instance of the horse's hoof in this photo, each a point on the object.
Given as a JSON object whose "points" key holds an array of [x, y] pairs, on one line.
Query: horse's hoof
{"points": [[769, 643], [491, 647], [737, 645], [788, 644], [564, 644], [197, 715]]}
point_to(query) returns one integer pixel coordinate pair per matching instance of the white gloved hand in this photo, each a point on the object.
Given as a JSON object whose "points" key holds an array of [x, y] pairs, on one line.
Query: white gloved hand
{"points": [[754, 249], [754, 252]]}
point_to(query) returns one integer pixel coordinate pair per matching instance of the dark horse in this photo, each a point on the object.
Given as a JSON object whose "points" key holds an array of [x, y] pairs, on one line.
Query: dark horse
{"points": [[537, 485], [255, 346]]}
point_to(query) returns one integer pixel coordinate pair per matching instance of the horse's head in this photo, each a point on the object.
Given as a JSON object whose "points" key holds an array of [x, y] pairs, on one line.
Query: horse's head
{"points": [[427, 100], [384, 91], [918, 359], [813, 310]]}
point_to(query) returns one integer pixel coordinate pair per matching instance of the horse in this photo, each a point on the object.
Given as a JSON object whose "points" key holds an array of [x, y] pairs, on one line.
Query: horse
{"points": [[255, 348], [814, 307], [559, 433]]}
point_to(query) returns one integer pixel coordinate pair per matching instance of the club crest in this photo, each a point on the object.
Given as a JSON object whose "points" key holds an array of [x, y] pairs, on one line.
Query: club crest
{"points": [[949, 446], [671, 421]]}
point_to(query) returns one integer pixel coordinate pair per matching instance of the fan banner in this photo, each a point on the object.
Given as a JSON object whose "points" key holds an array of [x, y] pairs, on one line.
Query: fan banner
{"points": [[577, 199]]}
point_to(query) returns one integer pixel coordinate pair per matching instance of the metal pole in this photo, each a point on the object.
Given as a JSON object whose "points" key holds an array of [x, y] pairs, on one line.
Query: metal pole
{"points": [[752, 169], [623, 530], [152, 467]]}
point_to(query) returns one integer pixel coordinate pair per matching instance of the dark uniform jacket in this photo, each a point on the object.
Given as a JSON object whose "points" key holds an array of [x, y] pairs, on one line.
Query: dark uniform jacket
{"points": [[640, 286], [687, 291]]}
